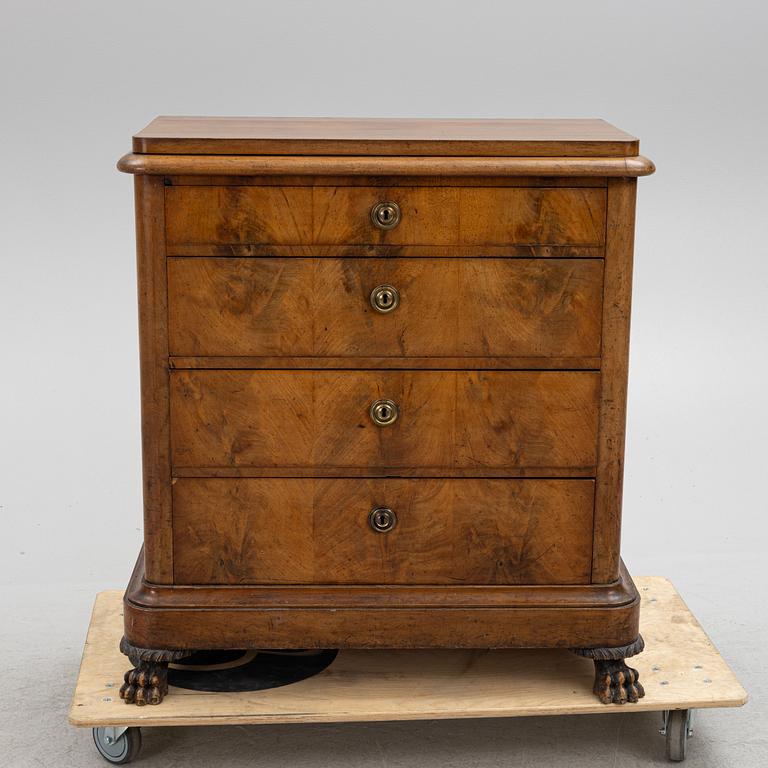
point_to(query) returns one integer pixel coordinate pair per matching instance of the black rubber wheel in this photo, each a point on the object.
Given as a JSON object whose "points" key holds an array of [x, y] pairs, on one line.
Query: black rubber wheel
{"points": [[677, 735], [120, 751]]}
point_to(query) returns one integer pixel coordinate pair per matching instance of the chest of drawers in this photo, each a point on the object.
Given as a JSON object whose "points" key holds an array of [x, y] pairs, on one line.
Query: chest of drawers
{"points": [[383, 370]]}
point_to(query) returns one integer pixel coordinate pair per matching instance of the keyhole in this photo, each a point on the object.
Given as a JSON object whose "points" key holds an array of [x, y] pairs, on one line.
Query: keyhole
{"points": [[384, 298], [382, 519], [385, 215], [383, 412]]}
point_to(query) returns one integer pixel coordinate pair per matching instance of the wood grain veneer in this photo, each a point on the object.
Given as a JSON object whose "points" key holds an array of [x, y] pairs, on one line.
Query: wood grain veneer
{"points": [[401, 616], [300, 531], [341, 215], [153, 354], [447, 307], [448, 419], [324, 136]]}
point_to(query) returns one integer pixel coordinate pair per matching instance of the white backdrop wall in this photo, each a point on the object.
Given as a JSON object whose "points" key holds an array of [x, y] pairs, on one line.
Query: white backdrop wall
{"points": [[78, 78]]}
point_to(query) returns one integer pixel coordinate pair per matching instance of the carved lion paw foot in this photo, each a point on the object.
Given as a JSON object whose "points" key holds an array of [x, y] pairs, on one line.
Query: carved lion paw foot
{"points": [[616, 683], [146, 683]]}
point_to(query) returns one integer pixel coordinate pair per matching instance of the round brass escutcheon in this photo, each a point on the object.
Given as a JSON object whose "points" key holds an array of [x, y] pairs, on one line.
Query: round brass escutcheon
{"points": [[382, 519], [385, 298], [384, 412], [385, 215]]}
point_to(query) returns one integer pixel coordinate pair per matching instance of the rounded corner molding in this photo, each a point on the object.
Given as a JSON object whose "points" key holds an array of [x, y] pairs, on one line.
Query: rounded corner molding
{"points": [[640, 166], [132, 163]]}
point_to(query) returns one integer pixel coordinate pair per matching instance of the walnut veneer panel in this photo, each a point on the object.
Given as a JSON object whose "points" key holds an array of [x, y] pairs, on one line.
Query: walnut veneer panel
{"points": [[340, 215], [448, 307], [448, 419], [374, 616], [299, 531], [365, 136]]}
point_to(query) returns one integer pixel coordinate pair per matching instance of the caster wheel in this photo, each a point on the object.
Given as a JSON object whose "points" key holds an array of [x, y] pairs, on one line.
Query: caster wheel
{"points": [[677, 725], [117, 750]]}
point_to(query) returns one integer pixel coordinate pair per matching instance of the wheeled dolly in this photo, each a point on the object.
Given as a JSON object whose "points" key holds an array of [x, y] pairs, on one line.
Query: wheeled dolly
{"points": [[680, 670]]}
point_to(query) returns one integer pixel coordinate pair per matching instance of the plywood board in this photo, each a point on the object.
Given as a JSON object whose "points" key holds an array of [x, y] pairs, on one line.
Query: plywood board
{"points": [[680, 669]]}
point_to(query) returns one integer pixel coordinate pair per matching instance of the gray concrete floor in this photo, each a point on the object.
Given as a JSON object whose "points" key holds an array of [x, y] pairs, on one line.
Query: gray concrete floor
{"points": [[44, 627]]}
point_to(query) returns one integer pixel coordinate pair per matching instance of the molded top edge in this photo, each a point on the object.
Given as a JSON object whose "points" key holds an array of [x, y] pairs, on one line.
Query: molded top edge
{"points": [[345, 165]]}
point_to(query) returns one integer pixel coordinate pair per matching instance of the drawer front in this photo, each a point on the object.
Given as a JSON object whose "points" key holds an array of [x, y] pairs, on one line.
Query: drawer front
{"points": [[300, 531], [447, 419], [324, 307], [342, 215]]}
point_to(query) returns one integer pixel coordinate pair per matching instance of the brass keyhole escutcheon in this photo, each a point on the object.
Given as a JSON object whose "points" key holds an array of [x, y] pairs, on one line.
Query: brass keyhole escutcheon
{"points": [[384, 412], [385, 298], [382, 519], [385, 215]]}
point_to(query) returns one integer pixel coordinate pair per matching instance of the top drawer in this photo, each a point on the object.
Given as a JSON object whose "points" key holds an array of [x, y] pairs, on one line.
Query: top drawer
{"points": [[438, 216]]}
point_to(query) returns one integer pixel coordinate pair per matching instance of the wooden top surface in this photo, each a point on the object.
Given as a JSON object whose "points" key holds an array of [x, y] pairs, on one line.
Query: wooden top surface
{"points": [[366, 136], [679, 669]]}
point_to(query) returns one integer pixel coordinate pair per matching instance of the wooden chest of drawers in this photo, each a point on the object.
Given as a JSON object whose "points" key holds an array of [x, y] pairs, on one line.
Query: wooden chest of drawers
{"points": [[384, 372]]}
